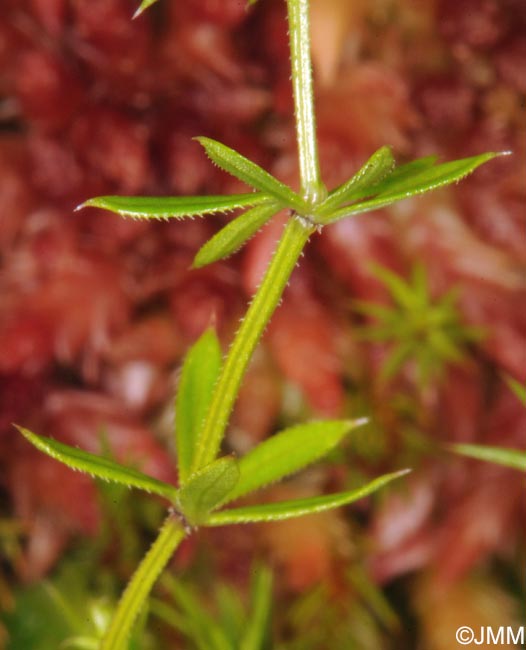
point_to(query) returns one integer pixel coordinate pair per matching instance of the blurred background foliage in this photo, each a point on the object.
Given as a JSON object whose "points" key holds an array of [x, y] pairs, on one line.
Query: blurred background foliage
{"points": [[413, 316]]}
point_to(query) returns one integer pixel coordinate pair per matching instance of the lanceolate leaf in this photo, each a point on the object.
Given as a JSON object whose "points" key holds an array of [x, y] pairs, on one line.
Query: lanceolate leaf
{"points": [[98, 466], [206, 489], [514, 458], [250, 173], [230, 238], [299, 507], [200, 371], [395, 175], [379, 165], [395, 188], [288, 452], [178, 207], [413, 182], [405, 171]]}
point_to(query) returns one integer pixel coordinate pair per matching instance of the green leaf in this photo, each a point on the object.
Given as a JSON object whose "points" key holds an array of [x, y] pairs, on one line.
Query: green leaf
{"points": [[231, 612], [178, 207], [247, 171], [143, 6], [207, 489], [397, 187], [373, 309], [261, 601], [415, 181], [80, 643], [445, 346], [230, 238], [182, 623], [402, 292], [379, 165], [191, 617], [396, 359], [374, 182], [288, 452], [98, 466], [43, 614], [517, 388], [402, 172], [200, 371], [377, 602], [399, 173], [514, 458], [420, 286], [298, 508]]}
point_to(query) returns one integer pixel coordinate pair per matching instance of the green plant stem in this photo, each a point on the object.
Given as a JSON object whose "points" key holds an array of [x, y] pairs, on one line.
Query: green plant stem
{"points": [[312, 187], [290, 246], [295, 236], [139, 587]]}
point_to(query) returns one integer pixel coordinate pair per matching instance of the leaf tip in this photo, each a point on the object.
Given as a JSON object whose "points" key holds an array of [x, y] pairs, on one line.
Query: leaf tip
{"points": [[202, 139], [142, 8], [95, 202], [212, 324], [197, 263], [491, 155], [28, 435], [358, 422]]}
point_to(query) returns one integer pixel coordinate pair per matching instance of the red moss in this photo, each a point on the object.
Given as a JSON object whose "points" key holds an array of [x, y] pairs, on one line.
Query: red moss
{"points": [[40, 78], [476, 23], [52, 15], [94, 103]]}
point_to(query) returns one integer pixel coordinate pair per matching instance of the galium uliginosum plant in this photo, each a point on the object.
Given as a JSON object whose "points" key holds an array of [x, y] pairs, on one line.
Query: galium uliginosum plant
{"points": [[209, 385]]}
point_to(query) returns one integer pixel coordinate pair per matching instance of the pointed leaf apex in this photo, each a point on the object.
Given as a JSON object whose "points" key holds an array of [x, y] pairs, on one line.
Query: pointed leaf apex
{"points": [[142, 8], [212, 322], [19, 428], [358, 422], [402, 472]]}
